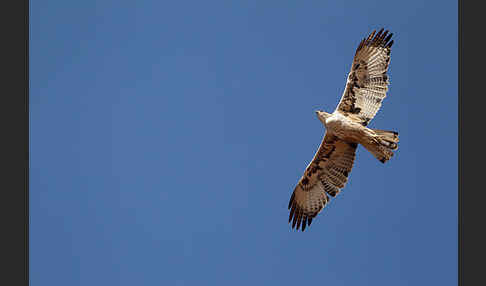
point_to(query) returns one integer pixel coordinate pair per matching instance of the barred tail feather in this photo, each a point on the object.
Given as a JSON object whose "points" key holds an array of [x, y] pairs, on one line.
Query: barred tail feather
{"points": [[383, 145], [388, 138]]}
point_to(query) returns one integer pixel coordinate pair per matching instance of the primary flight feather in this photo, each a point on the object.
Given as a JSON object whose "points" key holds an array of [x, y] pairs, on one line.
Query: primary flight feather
{"points": [[328, 171]]}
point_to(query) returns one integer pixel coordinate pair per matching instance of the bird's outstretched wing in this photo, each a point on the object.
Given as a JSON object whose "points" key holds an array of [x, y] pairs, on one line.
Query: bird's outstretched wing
{"points": [[367, 82], [326, 175]]}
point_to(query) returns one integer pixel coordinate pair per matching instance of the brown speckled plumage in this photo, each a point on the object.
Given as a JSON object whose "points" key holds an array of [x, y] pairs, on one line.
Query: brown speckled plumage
{"points": [[368, 82], [329, 170]]}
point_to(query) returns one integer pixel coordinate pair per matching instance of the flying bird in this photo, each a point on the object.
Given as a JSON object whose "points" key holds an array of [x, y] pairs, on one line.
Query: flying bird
{"points": [[328, 172]]}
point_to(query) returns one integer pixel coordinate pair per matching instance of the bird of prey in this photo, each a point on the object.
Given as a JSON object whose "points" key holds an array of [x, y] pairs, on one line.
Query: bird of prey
{"points": [[328, 172]]}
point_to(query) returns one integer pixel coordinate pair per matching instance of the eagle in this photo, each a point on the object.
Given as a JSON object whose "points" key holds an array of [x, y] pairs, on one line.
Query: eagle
{"points": [[327, 173]]}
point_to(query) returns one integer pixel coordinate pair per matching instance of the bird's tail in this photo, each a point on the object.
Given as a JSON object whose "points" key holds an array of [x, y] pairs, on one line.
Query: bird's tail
{"points": [[383, 144]]}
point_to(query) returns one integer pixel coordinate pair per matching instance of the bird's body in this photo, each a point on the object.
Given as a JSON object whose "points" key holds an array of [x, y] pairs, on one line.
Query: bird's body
{"points": [[350, 131], [346, 127]]}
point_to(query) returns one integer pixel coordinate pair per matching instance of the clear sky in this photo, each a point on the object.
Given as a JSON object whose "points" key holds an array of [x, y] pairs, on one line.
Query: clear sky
{"points": [[167, 138]]}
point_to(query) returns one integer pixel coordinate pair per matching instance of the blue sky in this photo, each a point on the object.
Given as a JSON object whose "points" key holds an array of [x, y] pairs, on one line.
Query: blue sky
{"points": [[167, 137]]}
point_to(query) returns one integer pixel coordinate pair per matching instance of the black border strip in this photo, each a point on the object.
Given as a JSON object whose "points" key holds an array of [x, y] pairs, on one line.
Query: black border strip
{"points": [[27, 140], [14, 124], [472, 117]]}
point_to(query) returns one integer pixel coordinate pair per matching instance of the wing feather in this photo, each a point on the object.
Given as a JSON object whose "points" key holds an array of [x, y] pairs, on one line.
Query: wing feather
{"points": [[367, 81], [325, 176]]}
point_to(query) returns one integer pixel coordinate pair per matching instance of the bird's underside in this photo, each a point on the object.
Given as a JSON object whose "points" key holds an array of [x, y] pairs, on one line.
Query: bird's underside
{"points": [[346, 127]]}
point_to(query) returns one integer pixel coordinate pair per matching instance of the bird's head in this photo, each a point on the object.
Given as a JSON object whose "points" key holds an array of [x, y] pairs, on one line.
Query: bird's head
{"points": [[322, 116]]}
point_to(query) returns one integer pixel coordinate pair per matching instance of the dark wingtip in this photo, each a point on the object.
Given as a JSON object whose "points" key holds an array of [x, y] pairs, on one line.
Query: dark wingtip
{"points": [[381, 39], [378, 36], [370, 37], [387, 39], [291, 200], [291, 215], [377, 39], [299, 220], [294, 220]]}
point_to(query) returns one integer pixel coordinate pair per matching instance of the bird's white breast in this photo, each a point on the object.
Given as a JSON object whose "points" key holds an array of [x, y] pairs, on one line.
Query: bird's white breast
{"points": [[336, 121], [341, 126]]}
